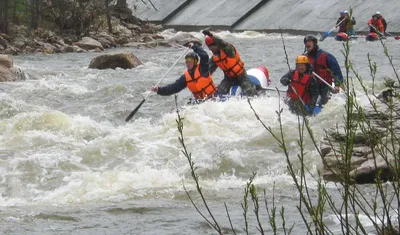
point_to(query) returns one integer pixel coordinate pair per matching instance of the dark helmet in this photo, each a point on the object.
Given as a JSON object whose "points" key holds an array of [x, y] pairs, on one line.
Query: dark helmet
{"points": [[312, 38], [192, 55]]}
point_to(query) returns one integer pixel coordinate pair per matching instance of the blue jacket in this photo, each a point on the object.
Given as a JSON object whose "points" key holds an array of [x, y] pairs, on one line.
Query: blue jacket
{"points": [[332, 63], [180, 83]]}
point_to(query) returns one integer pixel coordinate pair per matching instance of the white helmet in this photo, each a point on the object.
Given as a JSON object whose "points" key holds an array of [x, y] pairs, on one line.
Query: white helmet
{"points": [[346, 12], [378, 13]]}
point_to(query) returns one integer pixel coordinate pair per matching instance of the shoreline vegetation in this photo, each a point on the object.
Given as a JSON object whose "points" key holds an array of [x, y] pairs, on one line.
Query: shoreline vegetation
{"points": [[62, 26]]}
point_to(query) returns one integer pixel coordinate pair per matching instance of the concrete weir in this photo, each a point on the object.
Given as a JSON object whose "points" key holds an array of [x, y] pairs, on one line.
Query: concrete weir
{"points": [[266, 15]]}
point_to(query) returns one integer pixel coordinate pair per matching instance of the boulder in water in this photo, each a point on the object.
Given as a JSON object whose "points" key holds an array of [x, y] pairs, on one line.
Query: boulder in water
{"points": [[6, 74], [122, 60]]}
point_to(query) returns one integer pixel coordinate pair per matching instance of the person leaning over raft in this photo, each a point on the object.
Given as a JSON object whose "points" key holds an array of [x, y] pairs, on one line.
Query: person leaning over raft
{"points": [[197, 77], [375, 24], [226, 57], [325, 65], [301, 85], [347, 26]]}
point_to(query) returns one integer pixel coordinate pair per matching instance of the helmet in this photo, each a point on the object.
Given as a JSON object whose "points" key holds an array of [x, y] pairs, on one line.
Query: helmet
{"points": [[209, 40], [342, 12], [345, 12], [312, 38], [302, 59], [377, 13], [192, 55]]}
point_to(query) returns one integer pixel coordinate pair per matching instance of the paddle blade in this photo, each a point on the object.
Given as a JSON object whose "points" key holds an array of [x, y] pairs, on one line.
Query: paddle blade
{"points": [[134, 111], [325, 35]]}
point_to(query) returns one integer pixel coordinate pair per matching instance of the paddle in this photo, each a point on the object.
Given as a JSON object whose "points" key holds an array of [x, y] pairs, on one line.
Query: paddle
{"points": [[322, 80], [382, 35], [147, 96], [325, 35], [391, 35], [272, 89]]}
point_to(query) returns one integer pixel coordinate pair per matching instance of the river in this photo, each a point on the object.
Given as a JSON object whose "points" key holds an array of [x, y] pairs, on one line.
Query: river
{"points": [[70, 164]]}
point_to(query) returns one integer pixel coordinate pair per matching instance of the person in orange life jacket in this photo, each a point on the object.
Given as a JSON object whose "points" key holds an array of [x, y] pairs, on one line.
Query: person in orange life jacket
{"points": [[306, 86], [226, 57], [376, 23], [197, 77], [325, 65], [384, 23], [347, 25]]}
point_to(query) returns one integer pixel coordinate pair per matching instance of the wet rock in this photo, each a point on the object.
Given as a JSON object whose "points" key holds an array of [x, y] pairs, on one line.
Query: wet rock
{"points": [[6, 61], [122, 60], [368, 162], [89, 44], [6, 74]]}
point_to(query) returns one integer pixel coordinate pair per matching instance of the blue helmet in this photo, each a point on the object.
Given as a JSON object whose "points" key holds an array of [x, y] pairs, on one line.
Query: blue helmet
{"points": [[342, 12]]}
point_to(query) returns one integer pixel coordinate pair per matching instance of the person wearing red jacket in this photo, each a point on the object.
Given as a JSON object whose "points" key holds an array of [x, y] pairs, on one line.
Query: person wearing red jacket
{"points": [[375, 24], [303, 89], [325, 65]]}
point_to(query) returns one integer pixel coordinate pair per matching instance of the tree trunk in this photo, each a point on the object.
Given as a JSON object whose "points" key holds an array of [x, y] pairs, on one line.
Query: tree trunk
{"points": [[6, 21], [108, 15]]}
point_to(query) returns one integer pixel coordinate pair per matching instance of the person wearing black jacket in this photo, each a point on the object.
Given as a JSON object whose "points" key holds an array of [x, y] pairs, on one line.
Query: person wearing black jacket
{"points": [[346, 26], [197, 77]]}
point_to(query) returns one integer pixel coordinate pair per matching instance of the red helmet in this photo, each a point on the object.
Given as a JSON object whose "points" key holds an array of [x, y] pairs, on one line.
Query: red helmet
{"points": [[209, 40]]}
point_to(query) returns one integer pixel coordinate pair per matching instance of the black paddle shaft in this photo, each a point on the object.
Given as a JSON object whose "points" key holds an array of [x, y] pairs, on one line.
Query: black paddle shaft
{"points": [[134, 111]]}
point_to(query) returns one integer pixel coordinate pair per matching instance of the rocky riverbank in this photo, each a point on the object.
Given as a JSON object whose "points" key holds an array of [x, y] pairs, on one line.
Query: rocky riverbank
{"points": [[375, 137], [23, 41]]}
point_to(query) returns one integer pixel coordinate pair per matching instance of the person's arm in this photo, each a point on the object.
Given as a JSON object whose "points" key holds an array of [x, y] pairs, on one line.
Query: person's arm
{"points": [[204, 60], [334, 67], [213, 66], [223, 45], [369, 22], [287, 78], [353, 21], [173, 88]]}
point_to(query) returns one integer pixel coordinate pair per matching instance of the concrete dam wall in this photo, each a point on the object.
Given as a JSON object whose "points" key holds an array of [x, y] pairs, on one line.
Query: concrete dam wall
{"points": [[264, 15]]}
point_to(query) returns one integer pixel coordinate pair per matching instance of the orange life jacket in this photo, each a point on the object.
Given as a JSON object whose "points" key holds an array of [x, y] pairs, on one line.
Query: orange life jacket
{"points": [[201, 87], [321, 67], [378, 25], [232, 67], [301, 86]]}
